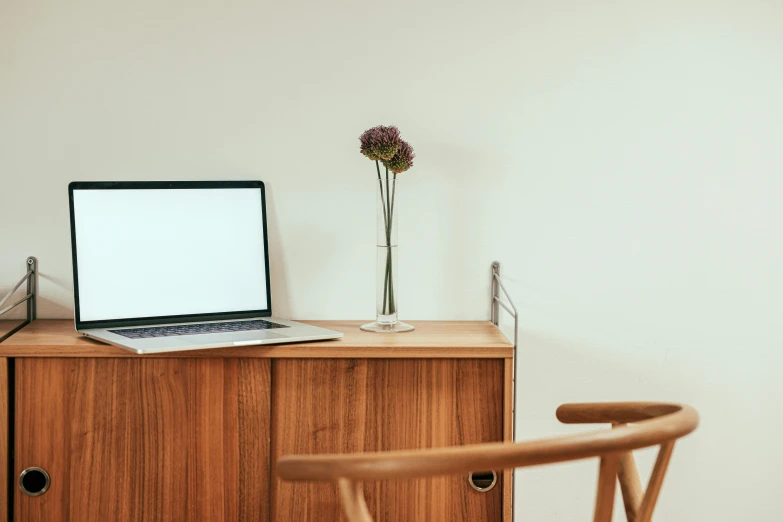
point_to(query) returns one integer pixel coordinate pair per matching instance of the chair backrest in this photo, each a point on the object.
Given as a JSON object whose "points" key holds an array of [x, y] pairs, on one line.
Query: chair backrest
{"points": [[634, 425]]}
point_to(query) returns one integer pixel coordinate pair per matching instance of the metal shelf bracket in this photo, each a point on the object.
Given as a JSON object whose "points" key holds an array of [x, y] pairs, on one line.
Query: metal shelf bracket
{"points": [[496, 303], [31, 276]]}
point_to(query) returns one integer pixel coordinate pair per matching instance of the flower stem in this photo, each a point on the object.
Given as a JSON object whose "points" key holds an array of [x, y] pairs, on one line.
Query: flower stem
{"points": [[386, 288], [394, 192], [383, 204], [386, 228], [389, 281]]}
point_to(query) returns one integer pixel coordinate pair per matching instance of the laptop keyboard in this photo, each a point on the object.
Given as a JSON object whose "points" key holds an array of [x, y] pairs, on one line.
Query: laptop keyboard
{"points": [[196, 329]]}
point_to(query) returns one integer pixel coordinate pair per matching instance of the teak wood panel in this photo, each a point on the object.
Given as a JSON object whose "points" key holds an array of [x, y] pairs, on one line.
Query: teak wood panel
{"points": [[4, 435], [341, 406], [508, 435], [431, 339], [144, 440]]}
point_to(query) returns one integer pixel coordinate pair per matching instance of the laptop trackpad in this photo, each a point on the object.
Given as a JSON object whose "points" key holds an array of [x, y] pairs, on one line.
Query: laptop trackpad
{"points": [[254, 337]]}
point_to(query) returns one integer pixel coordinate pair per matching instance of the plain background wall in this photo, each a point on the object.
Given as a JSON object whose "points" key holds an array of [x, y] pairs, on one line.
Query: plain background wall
{"points": [[622, 160]]}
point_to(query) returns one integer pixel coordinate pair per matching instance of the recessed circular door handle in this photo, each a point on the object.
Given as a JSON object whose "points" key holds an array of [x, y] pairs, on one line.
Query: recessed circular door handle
{"points": [[482, 481], [34, 481]]}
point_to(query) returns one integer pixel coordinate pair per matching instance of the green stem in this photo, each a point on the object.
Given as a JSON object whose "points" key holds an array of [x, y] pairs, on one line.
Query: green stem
{"points": [[386, 282], [394, 192], [388, 204], [387, 289], [385, 226], [389, 281], [383, 204]]}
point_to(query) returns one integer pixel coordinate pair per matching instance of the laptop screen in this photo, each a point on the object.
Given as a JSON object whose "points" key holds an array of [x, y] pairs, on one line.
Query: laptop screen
{"points": [[160, 250]]}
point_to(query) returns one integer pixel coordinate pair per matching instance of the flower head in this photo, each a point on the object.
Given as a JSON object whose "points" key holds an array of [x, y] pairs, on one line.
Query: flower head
{"points": [[380, 143], [402, 160]]}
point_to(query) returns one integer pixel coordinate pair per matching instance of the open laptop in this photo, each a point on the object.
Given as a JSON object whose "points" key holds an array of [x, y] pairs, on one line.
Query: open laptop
{"points": [[168, 266]]}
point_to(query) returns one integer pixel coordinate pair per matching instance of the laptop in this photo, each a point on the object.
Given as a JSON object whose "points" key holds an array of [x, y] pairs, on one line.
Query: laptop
{"points": [[169, 266]]}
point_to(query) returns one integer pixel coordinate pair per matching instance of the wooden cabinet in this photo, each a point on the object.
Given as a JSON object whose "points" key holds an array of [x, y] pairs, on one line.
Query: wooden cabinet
{"points": [[194, 436], [135, 439], [348, 405]]}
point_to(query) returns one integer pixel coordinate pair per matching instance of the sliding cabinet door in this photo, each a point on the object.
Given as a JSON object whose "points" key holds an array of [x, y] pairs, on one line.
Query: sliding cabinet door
{"points": [[341, 406], [143, 440]]}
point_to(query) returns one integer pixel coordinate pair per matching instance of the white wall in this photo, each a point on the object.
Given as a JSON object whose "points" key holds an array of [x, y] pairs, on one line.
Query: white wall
{"points": [[622, 159]]}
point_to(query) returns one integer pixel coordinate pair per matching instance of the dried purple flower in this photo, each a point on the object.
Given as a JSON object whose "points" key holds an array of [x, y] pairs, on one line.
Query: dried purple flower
{"points": [[402, 160], [380, 143]]}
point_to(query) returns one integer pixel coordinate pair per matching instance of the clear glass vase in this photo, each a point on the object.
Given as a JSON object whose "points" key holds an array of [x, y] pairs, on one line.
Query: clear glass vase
{"points": [[387, 296]]}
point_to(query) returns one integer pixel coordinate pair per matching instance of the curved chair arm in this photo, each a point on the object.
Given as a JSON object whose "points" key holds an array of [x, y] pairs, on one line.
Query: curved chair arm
{"points": [[657, 423], [613, 412]]}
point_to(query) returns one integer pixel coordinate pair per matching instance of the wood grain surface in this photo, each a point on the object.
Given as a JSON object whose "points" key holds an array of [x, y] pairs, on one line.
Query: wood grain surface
{"points": [[345, 406], [654, 424], [607, 482], [680, 421], [4, 434], [431, 339], [169, 440], [507, 475], [8, 325]]}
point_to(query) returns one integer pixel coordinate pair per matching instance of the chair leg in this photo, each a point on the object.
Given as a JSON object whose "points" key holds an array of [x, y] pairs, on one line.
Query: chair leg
{"points": [[630, 485], [607, 481], [353, 501], [656, 480]]}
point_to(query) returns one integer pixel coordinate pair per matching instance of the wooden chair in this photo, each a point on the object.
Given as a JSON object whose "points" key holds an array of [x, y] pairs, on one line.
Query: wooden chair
{"points": [[635, 425]]}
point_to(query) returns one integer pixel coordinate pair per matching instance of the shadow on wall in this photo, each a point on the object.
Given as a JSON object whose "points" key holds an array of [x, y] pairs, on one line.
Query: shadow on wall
{"points": [[281, 304], [579, 371], [18, 313], [48, 308], [554, 371], [53, 309], [447, 199]]}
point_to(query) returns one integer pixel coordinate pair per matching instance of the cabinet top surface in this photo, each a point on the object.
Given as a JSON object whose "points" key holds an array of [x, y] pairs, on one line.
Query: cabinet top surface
{"points": [[430, 339]]}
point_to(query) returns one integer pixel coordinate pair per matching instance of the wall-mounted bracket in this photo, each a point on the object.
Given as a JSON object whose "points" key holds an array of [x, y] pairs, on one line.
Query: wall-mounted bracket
{"points": [[496, 303], [31, 276], [508, 305]]}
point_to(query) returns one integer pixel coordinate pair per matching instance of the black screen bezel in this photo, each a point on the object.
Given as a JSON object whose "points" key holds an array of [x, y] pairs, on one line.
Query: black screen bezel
{"points": [[157, 185]]}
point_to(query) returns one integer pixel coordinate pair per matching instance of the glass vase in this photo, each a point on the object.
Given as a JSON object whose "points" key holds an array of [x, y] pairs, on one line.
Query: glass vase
{"points": [[387, 296]]}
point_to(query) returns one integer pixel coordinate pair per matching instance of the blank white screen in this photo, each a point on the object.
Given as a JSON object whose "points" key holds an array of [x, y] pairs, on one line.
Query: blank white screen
{"points": [[152, 253]]}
